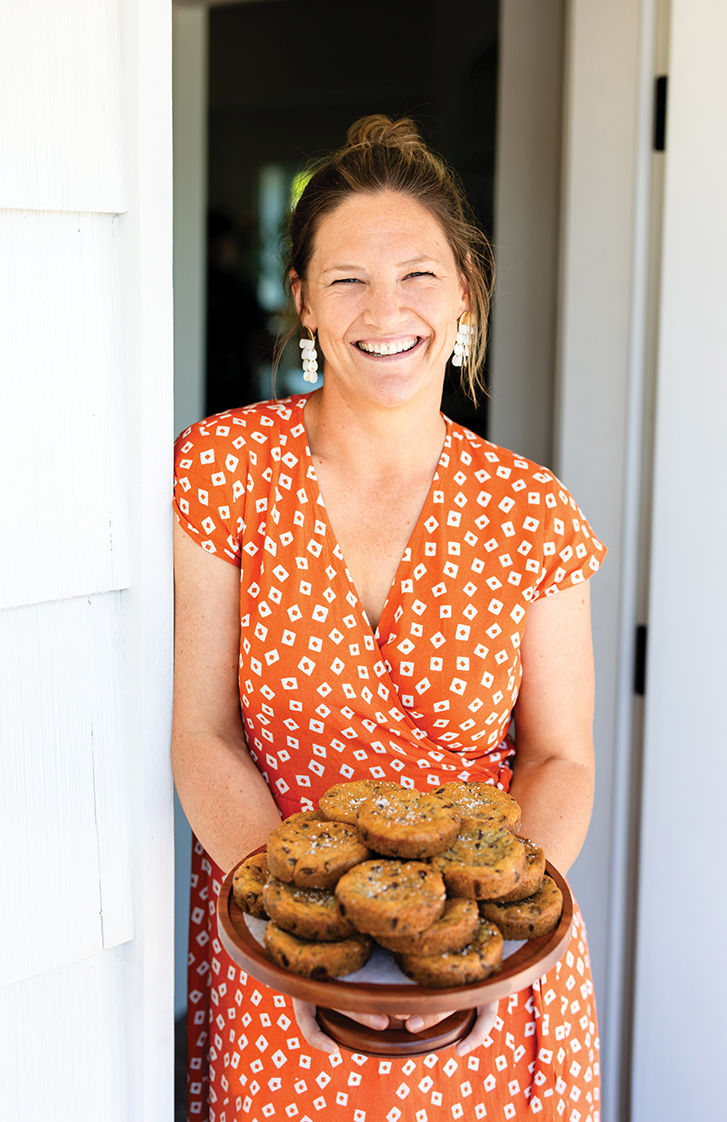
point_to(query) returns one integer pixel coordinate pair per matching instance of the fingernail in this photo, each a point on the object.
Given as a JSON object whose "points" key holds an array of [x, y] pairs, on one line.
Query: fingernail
{"points": [[379, 1022], [462, 1049], [414, 1024], [331, 1047]]}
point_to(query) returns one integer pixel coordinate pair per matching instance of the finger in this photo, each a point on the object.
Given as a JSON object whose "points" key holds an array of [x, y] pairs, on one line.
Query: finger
{"points": [[481, 1029], [421, 1024], [378, 1021], [305, 1015]]}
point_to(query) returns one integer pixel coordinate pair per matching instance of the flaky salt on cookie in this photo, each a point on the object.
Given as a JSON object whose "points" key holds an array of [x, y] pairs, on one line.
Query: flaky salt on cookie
{"points": [[391, 897], [481, 802], [483, 864], [342, 802], [310, 913], [407, 823], [304, 816]]}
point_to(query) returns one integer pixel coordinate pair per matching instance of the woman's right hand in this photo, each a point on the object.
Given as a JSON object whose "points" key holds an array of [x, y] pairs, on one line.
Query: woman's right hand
{"points": [[313, 1034]]}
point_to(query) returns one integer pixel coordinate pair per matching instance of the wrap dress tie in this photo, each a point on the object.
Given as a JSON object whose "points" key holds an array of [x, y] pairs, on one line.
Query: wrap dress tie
{"points": [[426, 698]]}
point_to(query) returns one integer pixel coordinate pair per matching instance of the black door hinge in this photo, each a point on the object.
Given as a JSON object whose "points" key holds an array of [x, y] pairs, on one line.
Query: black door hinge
{"points": [[660, 114], [640, 660]]}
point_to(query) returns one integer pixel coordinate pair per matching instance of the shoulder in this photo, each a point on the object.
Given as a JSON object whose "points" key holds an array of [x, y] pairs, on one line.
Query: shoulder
{"points": [[500, 467], [235, 428], [222, 461], [227, 434], [525, 504]]}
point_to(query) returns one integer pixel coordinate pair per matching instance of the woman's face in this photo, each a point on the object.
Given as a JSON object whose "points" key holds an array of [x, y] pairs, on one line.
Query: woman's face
{"points": [[384, 294]]}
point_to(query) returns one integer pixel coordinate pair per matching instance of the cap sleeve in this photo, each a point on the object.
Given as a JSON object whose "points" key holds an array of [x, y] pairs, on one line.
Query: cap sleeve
{"points": [[571, 551], [210, 480]]}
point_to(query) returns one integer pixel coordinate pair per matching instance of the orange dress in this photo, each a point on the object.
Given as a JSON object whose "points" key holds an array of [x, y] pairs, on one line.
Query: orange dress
{"points": [[426, 698]]}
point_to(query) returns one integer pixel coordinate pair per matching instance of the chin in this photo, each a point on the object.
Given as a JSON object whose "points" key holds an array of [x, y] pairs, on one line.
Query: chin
{"points": [[393, 390]]}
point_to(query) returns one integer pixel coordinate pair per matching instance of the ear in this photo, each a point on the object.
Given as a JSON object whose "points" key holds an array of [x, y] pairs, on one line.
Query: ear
{"points": [[464, 292], [301, 304]]}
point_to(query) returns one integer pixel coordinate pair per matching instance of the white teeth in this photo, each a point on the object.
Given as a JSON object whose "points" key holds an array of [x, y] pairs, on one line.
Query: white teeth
{"points": [[388, 349]]}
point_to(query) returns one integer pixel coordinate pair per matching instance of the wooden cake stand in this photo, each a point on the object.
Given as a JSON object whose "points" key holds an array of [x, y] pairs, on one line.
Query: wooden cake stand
{"points": [[520, 969]]}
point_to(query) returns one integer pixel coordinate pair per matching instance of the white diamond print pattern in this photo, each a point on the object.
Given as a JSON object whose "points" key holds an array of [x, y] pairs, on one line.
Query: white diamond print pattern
{"points": [[427, 698]]}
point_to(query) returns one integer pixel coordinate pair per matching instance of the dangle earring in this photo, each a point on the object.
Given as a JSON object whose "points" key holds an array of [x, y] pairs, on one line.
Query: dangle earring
{"points": [[462, 343], [309, 357]]}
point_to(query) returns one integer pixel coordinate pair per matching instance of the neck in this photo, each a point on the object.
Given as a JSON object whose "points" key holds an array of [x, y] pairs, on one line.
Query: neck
{"points": [[379, 441]]}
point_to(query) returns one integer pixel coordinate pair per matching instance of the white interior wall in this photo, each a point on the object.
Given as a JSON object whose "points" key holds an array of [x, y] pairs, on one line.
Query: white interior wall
{"points": [[527, 216], [680, 1037], [603, 322], [584, 420]]}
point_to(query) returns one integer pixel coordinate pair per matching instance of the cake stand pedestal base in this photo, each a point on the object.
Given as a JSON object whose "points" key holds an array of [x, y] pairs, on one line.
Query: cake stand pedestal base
{"points": [[393, 1041]]}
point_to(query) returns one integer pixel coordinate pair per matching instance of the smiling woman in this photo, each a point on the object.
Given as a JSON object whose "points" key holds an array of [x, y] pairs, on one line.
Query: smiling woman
{"points": [[377, 593]]}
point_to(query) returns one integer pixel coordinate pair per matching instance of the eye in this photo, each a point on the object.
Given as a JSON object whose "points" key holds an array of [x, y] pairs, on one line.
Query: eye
{"points": [[410, 275], [347, 280]]}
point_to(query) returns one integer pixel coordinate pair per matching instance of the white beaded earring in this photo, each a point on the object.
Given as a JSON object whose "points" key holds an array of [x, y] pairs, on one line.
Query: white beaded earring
{"points": [[309, 357], [462, 343]]}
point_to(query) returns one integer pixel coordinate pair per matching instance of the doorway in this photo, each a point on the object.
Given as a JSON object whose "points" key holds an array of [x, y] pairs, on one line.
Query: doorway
{"points": [[286, 80]]}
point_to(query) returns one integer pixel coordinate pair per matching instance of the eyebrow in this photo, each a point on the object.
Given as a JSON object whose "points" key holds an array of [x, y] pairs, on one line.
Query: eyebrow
{"points": [[399, 265]]}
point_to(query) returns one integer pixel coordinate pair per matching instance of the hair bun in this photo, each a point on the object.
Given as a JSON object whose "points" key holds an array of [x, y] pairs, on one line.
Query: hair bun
{"points": [[401, 133]]}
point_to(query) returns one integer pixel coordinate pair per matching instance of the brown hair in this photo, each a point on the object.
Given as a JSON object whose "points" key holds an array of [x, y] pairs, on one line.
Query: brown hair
{"points": [[383, 154]]}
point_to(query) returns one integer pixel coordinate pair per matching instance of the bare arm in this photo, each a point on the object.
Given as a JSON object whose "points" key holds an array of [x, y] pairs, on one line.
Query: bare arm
{"points": [[554, 767], [224, 796]]}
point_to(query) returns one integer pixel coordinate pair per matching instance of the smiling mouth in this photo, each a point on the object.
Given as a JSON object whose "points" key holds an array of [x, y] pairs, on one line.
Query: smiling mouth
{"points": [[394, 348]]}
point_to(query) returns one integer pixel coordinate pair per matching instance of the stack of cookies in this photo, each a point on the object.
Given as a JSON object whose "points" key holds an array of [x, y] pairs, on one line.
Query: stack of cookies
{"points": [[440, 878]]}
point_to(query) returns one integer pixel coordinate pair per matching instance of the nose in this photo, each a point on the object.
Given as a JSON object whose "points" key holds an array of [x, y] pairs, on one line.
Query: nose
{"points": [[384, 304]]}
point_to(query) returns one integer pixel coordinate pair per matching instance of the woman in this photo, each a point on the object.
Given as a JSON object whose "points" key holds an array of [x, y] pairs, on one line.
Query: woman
{"points": [[401, 585]]}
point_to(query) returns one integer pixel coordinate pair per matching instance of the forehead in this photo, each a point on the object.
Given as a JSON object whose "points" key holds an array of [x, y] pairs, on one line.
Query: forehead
{"points": [[383, 224]]}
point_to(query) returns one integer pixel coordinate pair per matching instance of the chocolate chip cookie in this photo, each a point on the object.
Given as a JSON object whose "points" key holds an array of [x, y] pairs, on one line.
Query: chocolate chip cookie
{"points": [[247, 885], [473, 963], [311, 913], [316, 960], [482, 802], [483, 864], [527, 919], [408, 824], [314, 854], [452, 931], [342, 802], [391, 897]]}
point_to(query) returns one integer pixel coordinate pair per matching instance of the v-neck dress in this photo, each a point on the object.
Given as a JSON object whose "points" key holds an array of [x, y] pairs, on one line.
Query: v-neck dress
{"points": [[424, 699]]}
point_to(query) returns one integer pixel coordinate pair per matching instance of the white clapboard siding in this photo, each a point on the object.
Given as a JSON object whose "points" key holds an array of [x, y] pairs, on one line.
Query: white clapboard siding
{"points": [[64, 831], [63, 506], [64, 1057], [61, 134], [85, 567]]}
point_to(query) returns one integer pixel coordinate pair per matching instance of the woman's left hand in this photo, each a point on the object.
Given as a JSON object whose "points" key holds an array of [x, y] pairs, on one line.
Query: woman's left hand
{"points": [[481, 1029]]}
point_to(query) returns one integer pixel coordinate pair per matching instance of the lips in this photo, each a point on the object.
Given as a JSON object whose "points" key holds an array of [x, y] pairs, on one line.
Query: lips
{"points": [[395, 347]]}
